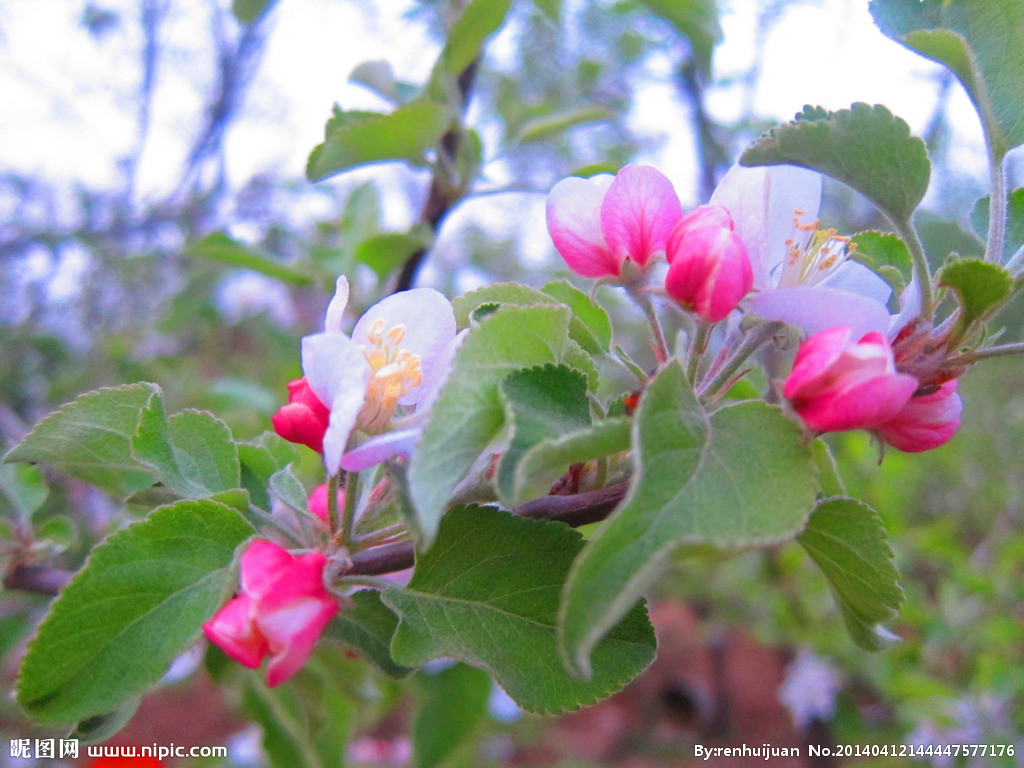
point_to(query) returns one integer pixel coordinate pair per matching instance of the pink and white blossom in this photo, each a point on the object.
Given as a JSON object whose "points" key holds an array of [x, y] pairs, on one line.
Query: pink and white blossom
{"points": [[802, 274], [925, 422], [281, 611], [839, 383], [383, 378], [709, 272], [600, 223]]}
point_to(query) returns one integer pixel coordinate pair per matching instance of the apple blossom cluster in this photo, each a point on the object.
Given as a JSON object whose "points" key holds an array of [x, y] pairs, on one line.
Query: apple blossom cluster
{"points": [[757, 249], [755, 253]]}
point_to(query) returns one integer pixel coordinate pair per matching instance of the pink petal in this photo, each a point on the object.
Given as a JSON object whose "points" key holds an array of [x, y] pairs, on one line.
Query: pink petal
{"points": [[925, 422], [574, 222], [233, 631], [639, 213], [815, 356], [262, 564], [864, 406], [292, 633]]}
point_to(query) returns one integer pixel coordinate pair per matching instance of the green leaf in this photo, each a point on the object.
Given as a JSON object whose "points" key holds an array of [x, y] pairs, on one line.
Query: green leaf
{"points": [[306, 722], [1014, 224], [586, 327], [22, 490], [260, 459], [387, 251], [90, 438], [847, 540], [553, 123], [250, 11], [595, 335], [138, 602], [979, 41], [468, 415], [224, 249], [369, 626], [981, 288], [865, 147], [886, 254], [548, 460], [379, 77], [487, 594], [742, 477], [480, 20], [287, 488], [541, 404], [828, 471], [358, 138], [451, 708], [99, 728], [192, 453], [697, 20]]}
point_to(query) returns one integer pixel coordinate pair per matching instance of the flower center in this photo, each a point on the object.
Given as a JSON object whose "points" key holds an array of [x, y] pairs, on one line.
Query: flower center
{"points": [[395, 371], [813, 254]]}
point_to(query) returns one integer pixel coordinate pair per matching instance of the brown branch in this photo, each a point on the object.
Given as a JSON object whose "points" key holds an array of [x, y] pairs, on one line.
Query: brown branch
{"points": [[576, 510], [440, 199], [38, 579], [579, 509]]}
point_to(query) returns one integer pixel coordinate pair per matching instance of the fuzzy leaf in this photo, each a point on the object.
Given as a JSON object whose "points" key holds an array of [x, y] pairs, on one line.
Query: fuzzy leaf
{"points": [[192, 453], [846, 539], [90, 438], [866, 147], [980, 287], [887, 255], [979, 41], [468, 415], [138, 602], [358, 138], [369, 626], [541, 404], [738, 478], [487, 594]]}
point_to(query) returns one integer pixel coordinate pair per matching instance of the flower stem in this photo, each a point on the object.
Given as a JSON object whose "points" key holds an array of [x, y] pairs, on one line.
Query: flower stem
{"points": [[752, 341], [699, 343], [333, 520], [922, 272], [1004, 350], [271, 522], [348, 517], [996, 212], [660, 345]]}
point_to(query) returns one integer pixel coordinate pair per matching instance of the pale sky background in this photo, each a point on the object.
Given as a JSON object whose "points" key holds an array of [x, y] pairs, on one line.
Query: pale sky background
{"points": [[62, 117], [67, 107]]}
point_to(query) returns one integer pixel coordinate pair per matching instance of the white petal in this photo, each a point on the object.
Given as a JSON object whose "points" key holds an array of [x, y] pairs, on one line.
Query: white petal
{"points": [[337, 372], [336, 309], [816, 308], [429, 328], [762, 202], [910, 307], [436, 375], [401, 442], [854, 277]]}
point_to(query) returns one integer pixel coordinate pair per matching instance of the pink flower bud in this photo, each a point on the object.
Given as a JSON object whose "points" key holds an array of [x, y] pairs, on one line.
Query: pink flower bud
{"points": [[838, 384], [925, 422], [599, 223], [305, 419], [318, 501], [281, 611], [709, 272]]}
